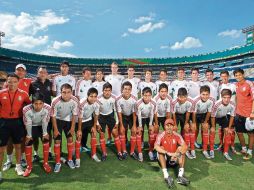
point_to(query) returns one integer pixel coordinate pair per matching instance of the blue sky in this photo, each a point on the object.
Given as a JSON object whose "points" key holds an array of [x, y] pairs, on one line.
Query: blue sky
{"points": [[125, 28]]}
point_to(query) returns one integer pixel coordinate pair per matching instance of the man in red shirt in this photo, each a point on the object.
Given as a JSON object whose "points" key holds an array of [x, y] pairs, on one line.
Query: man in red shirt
{"points": [[171, 150], [12, 100], [244, 109]]}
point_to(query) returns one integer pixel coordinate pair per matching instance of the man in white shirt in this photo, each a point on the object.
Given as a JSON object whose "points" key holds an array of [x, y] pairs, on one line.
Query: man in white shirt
{"points": [[194, 84], [163, 78], [148, 82], [84, 84], [180, 82], [133, 80], [99, 81], [213, 84]]}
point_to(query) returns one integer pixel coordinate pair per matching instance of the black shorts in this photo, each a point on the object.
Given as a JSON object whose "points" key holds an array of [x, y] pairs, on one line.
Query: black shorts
{"points": [[169, 161], [145, 122], [87, 125], [239, 123], [180, 119], [107, 120], [11, 128], [222, 122], [127, 121], [161, 121], [63, 125], [200, 118], [50, 127]]}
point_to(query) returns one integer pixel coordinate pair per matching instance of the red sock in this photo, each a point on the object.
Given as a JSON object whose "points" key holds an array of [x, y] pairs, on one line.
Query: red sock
{"points": [[57, 152], [70, 150], [123, 142], [133, 144], [118, 145], [139, 144], [151, 142], [28, 151], [45, 152], [109, 134], [227, 139], [103, 146], [187, 138], [93, 146], [205, 139], [192, 140], [212, 139], [221, 134], [232, 139], [77, 149]]}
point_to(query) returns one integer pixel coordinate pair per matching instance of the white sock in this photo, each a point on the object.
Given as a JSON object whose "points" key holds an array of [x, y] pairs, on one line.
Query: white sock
{"points": [[9, 157], [18, 165], [35, 152], [244, 148], [181, 171], [249, 151], [165, 173]]}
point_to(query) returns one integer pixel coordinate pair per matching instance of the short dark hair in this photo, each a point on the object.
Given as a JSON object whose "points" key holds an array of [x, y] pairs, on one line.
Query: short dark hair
{"points": [[13, 75], [37, 96], [114, 63], [208, 71], [224, 72], [180, 69], [99, 70], [205, 88], [148, 70], [64, 62], [92, 91], [107, 85], [238, 70], [42, 67], [225, 92], [86, 69], [182, 92], [130, 66], [164, 71], [66, 86], [163, 85], [127, 83], [194, 69], [146, 90]]}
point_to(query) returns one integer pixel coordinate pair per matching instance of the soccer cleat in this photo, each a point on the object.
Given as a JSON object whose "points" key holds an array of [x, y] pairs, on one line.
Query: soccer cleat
{"points": [[95, 158], [247, 156], [85, 149], [151, 156], [50, 156], [125, 154], [36, 158], [70, 163], [120, 156], [108, 141], [1, 177], [226, 155], [23, 163], [233, 150], [46, 167], [197, 145], [212, 154], [206, 155], [27, 171], [104, 157], [243, 152], [134, 156], [219, 147], [140, 157], [169, 181], [63, 160], [7, 166], [77, 163], [57, 168], [193, 154], [182, 181], [19, 170], [189, 155], [142, 145]]}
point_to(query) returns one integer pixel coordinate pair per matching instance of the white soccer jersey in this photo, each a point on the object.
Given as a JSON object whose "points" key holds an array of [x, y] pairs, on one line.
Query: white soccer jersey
{"points": [[126, 107], [175, 85], [99, 86], [82, 88], [59, 80], [182, 108], [159, 82], [194, 88], [145, 111], [64, 110], [200, 107], [162, 106], [33, 118], [214, 88], [116, 82], [135, 82], [230, 86], [87, 110], [219, 110], [144, 84]]}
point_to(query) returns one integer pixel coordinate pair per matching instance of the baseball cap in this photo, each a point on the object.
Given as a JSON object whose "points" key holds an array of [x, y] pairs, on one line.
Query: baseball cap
{"points": [[169, 121], [65, 63], [21, 66], [249, 124]]}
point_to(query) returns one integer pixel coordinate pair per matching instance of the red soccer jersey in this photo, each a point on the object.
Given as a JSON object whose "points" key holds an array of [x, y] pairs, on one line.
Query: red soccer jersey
{"points": [[169, 142], [24, 84], [17, 99], [244, 98]]}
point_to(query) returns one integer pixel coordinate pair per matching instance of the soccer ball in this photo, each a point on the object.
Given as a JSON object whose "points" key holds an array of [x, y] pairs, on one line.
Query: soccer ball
{"points": [[249, 124]]}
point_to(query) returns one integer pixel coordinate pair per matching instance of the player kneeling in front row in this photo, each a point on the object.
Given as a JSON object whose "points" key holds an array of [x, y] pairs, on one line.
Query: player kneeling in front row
{"points": [[36, 117], [64, 110], [171, 150]]}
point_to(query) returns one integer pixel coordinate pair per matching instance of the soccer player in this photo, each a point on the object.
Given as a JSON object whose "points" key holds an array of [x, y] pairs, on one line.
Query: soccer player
{"points": [[180, 82], [83, 84], [115, 79], [244, 109], [148, 82], [99, 82], [201, 115], [12, 101], [87, 122], [171, 150], [133, 80], [127, 118], [108, 117], [63, 78], [181, 110], [146, 113], [213, 84], [64, 109], [221, 109], [163, 78], [194, 84], [36, 117], [163, 103]]}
